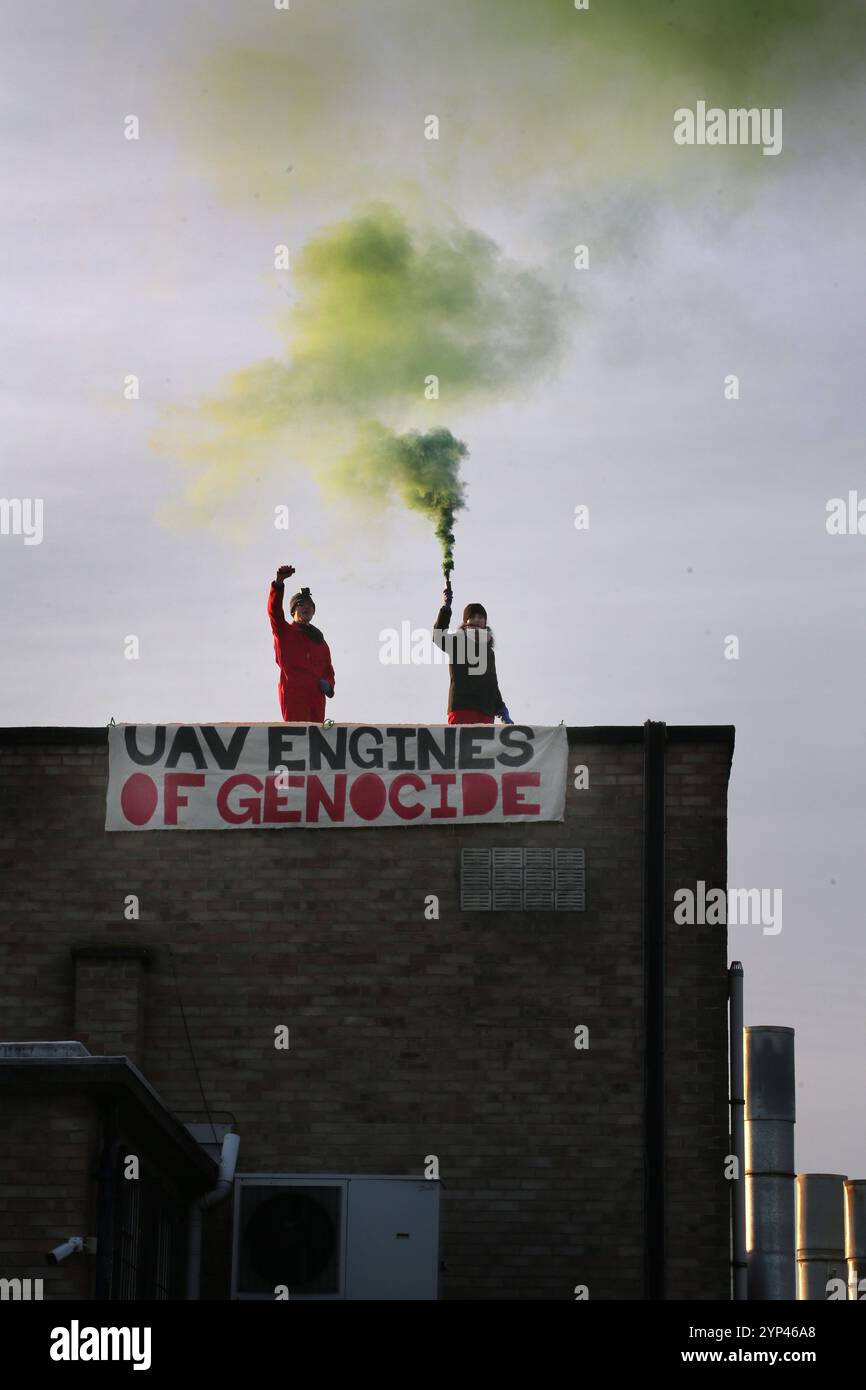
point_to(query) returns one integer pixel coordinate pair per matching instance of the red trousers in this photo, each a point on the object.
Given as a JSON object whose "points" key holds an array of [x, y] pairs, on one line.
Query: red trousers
{"points": [[469, 716], [301, 707]]}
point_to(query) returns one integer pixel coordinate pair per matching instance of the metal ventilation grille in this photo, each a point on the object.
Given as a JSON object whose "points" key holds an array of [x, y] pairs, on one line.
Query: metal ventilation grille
{"points": [[538, 880], [522, 880], [475, 880], [507, 880], [570, 880]]}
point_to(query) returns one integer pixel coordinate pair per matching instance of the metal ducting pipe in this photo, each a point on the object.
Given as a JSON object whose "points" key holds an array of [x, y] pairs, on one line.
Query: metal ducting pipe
{"points": [[855, 1236], [739, 1268], [106, 1203], [770, 1176], [225, 1183], [820, 1233]]}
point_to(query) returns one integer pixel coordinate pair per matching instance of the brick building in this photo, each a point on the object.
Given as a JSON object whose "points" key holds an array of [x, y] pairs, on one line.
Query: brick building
{"points": [[599, 1165]]}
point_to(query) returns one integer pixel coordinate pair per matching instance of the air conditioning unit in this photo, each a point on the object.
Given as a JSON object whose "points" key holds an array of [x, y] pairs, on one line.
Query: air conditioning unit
{"points": [[335, 1236]]}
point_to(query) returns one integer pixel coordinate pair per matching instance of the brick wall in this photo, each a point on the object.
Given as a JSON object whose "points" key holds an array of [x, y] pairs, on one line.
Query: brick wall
{"points": [[410, 1037], [697, 1119], [50, 1148], [109, 1000]]}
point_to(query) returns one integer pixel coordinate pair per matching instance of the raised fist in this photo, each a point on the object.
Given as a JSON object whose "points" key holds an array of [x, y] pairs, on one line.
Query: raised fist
{"points": [[284, 573]]}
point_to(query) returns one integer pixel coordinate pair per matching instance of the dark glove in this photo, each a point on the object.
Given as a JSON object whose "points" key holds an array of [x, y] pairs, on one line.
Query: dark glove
{"points": [[447, 595], [326, 688], [504, 715]]}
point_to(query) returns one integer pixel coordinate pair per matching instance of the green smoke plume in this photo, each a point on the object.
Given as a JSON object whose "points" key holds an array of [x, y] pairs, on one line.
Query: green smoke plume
{"points": [[591, 94], [713, 39], [382, 309], [423, 470], [382, 306]]}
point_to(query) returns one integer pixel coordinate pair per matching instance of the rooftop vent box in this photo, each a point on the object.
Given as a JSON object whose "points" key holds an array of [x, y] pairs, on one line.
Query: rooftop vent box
{"points": [[325, 1236]]}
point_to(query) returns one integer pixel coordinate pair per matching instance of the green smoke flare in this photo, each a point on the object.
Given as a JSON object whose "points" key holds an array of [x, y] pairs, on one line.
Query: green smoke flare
{"points": [[423, 470], [382, 308]]}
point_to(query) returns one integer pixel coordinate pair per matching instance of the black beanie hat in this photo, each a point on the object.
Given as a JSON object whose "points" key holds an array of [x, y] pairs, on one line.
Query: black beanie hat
{"points": [[471, 609], [302, 596]]}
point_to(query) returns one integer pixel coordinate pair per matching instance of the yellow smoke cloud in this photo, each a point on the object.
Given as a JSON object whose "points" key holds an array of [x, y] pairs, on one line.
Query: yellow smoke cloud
{"points": [[392, 321]]}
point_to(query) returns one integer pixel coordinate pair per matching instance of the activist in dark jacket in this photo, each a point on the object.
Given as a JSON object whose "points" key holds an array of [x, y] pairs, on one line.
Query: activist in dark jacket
{"points": [[301, 652], [473, 692]]}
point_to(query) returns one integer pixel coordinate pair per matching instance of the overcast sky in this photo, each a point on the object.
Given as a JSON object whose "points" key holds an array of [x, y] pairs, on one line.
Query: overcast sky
{"points": [[155, 257]]}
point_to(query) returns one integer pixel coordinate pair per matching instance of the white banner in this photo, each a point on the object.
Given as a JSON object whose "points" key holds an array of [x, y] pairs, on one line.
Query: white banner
{"points": [[269, 776]]}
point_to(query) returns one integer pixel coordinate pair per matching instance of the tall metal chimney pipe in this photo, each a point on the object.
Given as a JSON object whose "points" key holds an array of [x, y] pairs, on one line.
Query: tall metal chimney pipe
{"points": [[820, 1233], [855, 1236], [770, 1173], [739, 1267]]}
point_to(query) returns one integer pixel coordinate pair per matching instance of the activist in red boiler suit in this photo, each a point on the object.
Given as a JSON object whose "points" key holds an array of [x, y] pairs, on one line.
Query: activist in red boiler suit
{"points": [[301, 652]]}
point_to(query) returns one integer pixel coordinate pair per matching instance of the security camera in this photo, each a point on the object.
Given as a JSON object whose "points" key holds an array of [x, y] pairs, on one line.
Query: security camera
{"points": [[60, 1252]]}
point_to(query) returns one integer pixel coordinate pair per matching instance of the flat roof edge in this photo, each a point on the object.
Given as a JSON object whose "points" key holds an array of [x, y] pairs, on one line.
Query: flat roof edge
{"points": [[61, 736], [109, 1075]]}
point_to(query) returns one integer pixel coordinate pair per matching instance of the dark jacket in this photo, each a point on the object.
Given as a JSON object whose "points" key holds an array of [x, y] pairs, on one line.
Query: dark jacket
{"points": [[470, 686]]}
